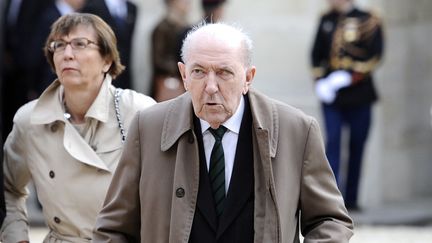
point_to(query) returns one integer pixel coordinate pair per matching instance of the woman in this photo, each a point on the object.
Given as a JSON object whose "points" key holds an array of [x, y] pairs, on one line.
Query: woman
{"points": [[166, 41], [69, 141]]}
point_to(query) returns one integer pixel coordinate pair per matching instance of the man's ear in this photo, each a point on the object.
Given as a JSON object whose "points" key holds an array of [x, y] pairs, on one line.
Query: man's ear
{"points": [[250, 74], [182, 70]]}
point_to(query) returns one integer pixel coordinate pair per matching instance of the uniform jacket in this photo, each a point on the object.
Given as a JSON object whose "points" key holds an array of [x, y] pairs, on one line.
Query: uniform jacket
{"points": [[352, 42], [71, 176], [153, 194]]}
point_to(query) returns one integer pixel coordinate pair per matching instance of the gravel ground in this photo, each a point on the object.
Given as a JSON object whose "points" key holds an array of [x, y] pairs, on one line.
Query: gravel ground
{"points": [[392, 234], [363, 234]]}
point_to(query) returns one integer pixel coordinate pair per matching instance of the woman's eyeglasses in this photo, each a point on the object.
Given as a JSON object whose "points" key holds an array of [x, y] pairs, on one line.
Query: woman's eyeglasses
{"points": [[76, 44]]}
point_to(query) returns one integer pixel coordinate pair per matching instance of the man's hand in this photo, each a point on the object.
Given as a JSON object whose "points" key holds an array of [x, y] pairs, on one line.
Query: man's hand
{"points": [[339, 79]]}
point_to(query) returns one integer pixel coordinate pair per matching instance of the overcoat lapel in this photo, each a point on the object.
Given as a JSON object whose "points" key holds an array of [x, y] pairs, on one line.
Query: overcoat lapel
{"points": [[265, 143], [178, 131]]}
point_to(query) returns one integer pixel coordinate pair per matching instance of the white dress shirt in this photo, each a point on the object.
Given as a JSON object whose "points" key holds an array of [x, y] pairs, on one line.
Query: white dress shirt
{"points": [[64, 7], [229, 141], [13, 11], [117, 8]]}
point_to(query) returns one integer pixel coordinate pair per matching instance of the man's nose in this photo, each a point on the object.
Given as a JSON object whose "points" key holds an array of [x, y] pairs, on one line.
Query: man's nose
{"points": [[211, 84]]}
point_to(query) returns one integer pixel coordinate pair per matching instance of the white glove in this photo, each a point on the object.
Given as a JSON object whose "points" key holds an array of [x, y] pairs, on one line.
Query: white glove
{"points": [[325, 91], [339, 79]]}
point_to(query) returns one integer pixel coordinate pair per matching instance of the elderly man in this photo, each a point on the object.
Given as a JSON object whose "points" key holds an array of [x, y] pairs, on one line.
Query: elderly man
{"points": [[222, 163]]}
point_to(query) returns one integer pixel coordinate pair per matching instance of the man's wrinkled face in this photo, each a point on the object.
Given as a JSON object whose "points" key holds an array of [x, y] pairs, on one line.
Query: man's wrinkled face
{"points": [[216, 76]]}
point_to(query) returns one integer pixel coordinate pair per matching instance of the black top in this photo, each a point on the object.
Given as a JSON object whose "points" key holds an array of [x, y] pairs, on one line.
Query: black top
{"points": [[123, 29], [352, 42]]}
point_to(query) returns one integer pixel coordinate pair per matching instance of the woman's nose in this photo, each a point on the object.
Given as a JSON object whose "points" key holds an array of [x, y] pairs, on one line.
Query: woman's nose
{"points": [[68, 52]]}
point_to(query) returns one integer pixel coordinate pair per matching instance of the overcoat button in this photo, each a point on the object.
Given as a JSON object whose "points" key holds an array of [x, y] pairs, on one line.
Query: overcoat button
{"points": [[57, 220], [51, 174], [180, 192], [54, 127]]}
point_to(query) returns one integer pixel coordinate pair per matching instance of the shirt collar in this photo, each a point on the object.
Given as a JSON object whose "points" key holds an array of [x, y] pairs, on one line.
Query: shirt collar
{"points": [[63, 7], [233, 123], [117, 8]]}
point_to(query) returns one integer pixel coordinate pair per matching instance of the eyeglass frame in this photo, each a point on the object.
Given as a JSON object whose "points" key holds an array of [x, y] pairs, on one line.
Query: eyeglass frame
{"points": [[52, 49]]}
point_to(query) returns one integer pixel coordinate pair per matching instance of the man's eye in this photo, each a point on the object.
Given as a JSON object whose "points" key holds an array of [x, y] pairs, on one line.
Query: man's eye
{"points": [[197, 71], [224, 73]]}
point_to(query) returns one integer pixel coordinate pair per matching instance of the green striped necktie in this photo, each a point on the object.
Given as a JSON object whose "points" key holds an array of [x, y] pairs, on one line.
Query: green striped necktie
{"points": [[217, 169]]}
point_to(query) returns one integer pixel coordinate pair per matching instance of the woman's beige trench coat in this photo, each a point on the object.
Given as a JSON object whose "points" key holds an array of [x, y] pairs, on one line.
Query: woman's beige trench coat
{"points": [[71, 173]]}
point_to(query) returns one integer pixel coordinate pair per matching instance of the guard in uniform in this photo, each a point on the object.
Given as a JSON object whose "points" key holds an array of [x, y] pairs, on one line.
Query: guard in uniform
{"points": [[347, 49]]}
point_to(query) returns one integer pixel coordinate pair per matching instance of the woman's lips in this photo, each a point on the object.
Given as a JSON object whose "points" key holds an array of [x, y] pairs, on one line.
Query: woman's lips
{"points": [[69, 69]]}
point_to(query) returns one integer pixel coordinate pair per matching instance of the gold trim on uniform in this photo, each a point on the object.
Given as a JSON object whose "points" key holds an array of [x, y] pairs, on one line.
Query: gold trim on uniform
{"points": [[344, 49], [366, 67], [357, 66], [351, 30]]}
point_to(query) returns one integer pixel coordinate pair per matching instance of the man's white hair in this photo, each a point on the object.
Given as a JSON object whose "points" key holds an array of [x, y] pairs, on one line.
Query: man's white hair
{"points": [[228, 33]]}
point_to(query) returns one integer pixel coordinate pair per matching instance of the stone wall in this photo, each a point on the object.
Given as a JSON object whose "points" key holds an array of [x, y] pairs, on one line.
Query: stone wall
{"points": [[398, 163], [404, 137]]}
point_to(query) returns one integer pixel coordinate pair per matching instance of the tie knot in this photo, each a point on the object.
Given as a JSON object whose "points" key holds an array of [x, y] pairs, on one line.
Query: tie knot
{"points": [[218, 133]]}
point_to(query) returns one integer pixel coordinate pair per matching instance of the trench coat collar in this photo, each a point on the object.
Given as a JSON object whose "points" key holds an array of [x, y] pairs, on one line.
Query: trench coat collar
{"points": [[179, 119], [265, 117], [49, 107]]}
